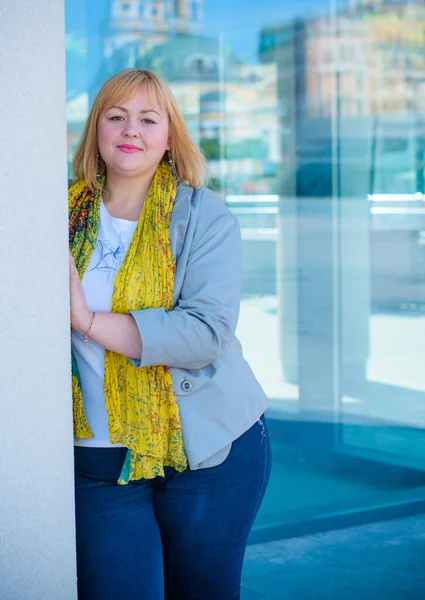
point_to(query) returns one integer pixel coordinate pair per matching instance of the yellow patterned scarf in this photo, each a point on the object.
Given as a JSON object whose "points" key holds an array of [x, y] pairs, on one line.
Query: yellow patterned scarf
{"points": [[142, 407]]}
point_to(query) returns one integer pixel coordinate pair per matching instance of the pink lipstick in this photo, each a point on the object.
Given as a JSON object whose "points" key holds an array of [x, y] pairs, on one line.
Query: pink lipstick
{"points": [[129, 148]]}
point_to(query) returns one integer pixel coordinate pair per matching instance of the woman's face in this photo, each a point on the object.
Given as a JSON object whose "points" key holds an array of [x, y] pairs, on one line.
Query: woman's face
{"points": [[133, 136]]}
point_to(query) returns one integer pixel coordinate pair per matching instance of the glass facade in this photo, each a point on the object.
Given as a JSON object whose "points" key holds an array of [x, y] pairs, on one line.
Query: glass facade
{"points": [[312, 116]]}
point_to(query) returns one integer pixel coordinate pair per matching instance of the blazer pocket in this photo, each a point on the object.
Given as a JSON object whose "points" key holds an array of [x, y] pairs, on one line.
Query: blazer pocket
{"points": [[189, 381]]}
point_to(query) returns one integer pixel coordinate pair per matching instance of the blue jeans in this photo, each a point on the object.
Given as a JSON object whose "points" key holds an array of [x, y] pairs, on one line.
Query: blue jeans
{"points": [[178, 537]]}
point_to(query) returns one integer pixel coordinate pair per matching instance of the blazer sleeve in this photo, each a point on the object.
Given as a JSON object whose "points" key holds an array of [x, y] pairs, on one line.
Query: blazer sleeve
{"points": [[203, 322]]}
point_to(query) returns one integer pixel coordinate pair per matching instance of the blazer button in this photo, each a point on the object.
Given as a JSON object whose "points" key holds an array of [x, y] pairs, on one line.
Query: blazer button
{"points": [[186, 386]]}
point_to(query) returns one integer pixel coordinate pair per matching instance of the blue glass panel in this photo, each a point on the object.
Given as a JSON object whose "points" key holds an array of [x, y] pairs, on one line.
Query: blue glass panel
{"points": [[311, 116]]}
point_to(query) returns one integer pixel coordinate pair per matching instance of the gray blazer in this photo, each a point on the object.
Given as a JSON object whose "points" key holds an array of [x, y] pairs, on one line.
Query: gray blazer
{"points": [[218, 396]]}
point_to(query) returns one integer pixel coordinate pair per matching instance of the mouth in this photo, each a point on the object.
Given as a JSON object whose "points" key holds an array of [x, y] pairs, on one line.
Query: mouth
{"points": [[129, 148]]}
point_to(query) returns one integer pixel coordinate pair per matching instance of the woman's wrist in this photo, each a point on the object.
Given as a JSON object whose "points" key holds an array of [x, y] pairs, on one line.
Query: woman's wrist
{"points": [[81, 320]]}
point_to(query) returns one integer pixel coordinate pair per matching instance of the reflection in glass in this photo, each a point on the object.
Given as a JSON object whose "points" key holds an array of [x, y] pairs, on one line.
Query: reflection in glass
{"points": [[311, 117]]}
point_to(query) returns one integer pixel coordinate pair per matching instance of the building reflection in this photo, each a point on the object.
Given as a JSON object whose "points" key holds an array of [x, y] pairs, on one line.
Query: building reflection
{"points": [[229, 105], [368, 58], [318, 147], [352, 91]]}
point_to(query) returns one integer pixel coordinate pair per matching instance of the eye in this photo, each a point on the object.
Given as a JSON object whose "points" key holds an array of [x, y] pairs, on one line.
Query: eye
{"points": [[148, 121], [115, 118]]}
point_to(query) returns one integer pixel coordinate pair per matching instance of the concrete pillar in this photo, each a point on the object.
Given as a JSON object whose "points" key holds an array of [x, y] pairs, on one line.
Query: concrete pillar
{"points": [[37, 548]]}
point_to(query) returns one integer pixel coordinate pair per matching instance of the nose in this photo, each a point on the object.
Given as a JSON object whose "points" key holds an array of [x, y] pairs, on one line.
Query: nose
{"points": [[130, 134], [130, 131]]}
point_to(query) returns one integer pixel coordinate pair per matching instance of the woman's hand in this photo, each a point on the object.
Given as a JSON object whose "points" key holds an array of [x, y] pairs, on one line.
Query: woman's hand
{"points": [[80, 313], [118, 333]]}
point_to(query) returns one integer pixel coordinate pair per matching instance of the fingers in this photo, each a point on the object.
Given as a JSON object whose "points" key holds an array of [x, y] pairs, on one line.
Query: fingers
{"points": [[72, 267]]}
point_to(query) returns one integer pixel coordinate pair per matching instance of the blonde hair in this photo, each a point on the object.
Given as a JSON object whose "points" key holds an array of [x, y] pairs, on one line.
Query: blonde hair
{"points": [[188, 159]]}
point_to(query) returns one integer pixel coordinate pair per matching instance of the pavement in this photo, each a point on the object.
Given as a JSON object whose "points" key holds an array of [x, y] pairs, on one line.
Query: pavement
{"points": [[380, 561]]}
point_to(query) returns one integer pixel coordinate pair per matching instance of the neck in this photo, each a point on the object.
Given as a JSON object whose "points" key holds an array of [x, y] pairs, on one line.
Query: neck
{"points": [[124, 196]]}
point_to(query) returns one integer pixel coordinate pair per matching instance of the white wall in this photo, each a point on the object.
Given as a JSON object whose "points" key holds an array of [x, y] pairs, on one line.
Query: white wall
{"points": [[37, 551]]}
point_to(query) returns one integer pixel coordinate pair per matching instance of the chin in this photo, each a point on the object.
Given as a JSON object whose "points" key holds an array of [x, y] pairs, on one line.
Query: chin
{"points": [[127, 168]]}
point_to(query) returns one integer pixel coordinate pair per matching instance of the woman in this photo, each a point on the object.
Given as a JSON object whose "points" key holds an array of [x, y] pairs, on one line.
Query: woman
{"points": [[171, 450]]}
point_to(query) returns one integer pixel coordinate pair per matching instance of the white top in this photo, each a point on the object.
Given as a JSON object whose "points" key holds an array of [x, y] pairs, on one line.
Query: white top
{"points": [[113, 239]]}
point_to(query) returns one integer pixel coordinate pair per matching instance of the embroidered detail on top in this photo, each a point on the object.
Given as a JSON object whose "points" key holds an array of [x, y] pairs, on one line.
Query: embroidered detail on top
{"points": [[109, 259]]}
